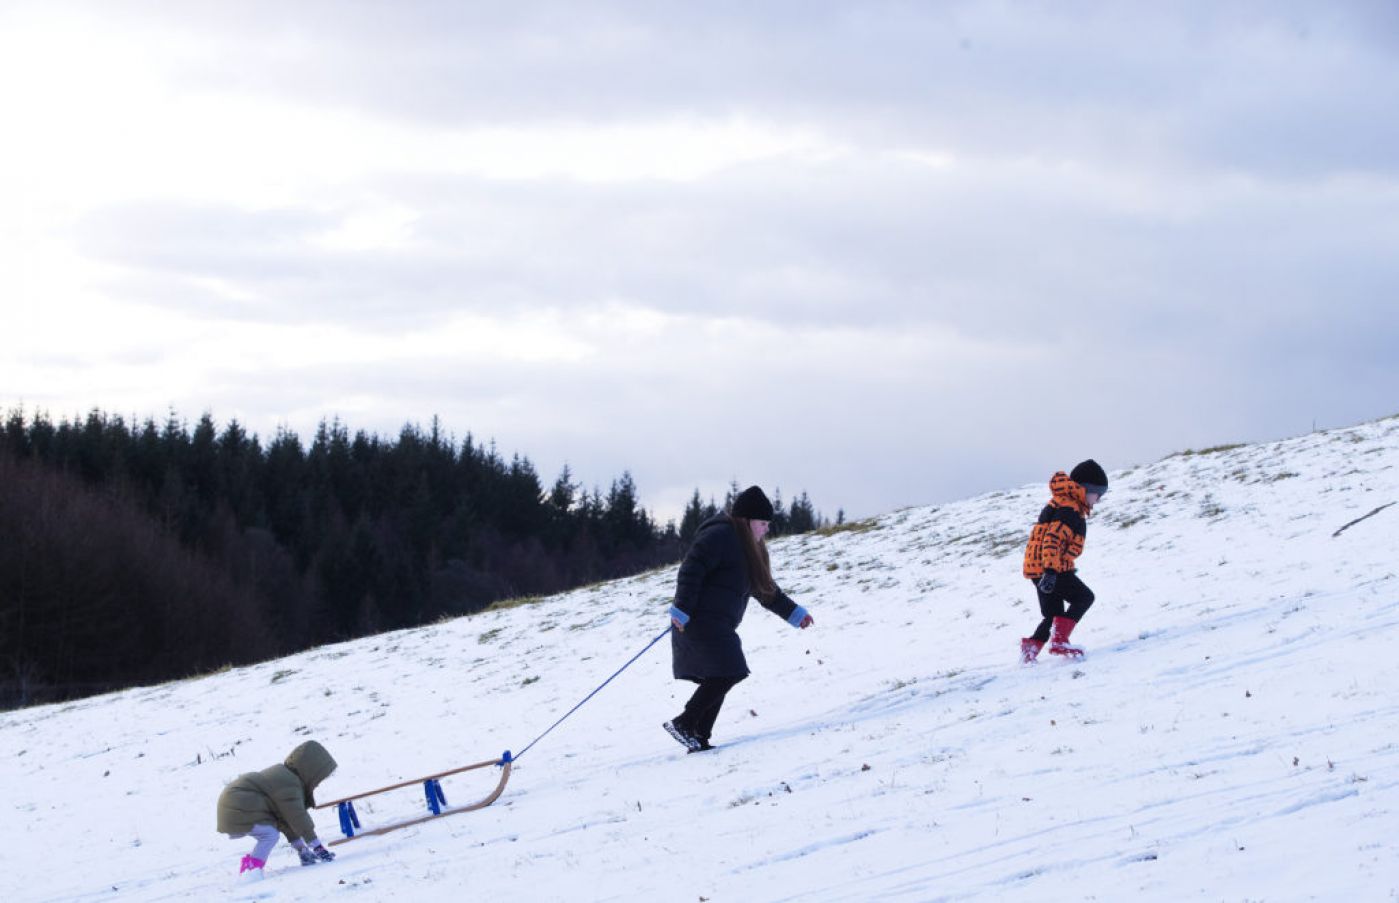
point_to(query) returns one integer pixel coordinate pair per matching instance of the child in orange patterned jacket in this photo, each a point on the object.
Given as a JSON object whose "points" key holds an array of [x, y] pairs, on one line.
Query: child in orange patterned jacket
{"points": [[1055, 542]]}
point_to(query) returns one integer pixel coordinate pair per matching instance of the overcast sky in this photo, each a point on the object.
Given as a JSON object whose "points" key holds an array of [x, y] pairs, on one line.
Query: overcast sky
{"points": [[887, 253]]}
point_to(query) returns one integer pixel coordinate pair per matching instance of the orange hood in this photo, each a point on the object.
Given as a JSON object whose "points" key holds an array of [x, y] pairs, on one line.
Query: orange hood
{"points": [[1068, 494]]}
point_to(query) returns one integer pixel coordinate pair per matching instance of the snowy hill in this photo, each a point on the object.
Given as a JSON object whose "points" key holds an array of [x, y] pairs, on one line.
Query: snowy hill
{"points": [[1231, 735]]}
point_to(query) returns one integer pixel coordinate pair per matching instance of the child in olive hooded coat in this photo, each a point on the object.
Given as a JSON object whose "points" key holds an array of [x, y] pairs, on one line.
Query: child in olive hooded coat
{"points": [[277, 799]]}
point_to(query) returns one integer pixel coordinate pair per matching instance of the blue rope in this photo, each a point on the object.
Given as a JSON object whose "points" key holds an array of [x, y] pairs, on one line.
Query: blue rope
{"points": [[592, 694]]}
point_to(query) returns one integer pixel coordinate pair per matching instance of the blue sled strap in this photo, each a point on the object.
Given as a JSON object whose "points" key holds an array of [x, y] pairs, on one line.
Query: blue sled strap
{"points": [[348, 819], [436, 799]]}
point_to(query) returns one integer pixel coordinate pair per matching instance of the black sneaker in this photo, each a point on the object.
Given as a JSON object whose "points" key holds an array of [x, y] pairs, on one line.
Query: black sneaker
{"points": [[704, 746], [683, 737]]}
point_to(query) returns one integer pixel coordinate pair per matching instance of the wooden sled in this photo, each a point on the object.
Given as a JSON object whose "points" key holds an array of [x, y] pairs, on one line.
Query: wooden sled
{"points": [[432, 790]]}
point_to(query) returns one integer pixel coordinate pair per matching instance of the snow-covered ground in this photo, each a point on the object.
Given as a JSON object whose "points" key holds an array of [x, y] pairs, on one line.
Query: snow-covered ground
{"points": [[1231, 735]]}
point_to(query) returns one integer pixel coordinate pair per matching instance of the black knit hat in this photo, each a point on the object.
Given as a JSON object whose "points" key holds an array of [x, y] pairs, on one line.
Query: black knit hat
{"points": [[1089, 474], [752, 504]]}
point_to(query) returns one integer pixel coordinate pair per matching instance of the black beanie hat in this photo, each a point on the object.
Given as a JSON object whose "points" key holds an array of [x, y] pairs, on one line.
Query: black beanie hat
{"points": [[752, 504], [1089, 474]]}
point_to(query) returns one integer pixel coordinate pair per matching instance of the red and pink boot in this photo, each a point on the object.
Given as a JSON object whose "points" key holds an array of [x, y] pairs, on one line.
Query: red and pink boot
{"points": [[250, 869], [1059, 642], [1030, 650]]}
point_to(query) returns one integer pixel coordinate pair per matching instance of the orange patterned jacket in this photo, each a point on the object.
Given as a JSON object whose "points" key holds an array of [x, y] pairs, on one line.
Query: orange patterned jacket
{"points": [[1057, 538]]}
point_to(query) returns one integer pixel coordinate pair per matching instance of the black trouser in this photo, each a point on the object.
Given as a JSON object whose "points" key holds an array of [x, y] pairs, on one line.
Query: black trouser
{"points": [[704, 705], [1068, 589]]}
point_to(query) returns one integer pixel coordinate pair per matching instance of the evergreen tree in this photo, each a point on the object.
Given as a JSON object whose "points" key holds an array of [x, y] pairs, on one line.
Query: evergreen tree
{"points": [[803, 516], [626, 522], [16, 435], [781, 524], [694, 516], [562, 495]]}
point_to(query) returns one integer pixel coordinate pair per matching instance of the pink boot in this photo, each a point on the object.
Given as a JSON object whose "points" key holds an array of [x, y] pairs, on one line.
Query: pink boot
{"points": [[250, 865], [1059, 642], [1030, 650]]}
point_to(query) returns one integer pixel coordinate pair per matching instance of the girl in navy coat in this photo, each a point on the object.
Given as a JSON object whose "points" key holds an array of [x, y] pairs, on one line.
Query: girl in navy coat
{"points": [[727, 563]]}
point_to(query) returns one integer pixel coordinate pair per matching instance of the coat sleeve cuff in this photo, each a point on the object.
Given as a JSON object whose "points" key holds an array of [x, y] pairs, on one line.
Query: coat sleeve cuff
{"points": [[798, 615], [679, 615]]}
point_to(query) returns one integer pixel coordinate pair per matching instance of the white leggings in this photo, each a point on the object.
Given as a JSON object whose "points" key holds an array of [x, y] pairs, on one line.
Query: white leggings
{"points": [[266, 837]]}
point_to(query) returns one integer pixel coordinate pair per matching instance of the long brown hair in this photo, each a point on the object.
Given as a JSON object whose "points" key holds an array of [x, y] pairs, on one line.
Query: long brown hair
{"points": [[756, 553]]}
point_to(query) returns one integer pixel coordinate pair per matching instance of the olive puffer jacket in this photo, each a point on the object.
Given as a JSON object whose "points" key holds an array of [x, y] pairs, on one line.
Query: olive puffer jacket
{"points": [[280, 795], [1057, 538]]}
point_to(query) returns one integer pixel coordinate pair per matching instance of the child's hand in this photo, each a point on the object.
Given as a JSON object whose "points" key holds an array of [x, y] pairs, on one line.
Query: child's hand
{"points": [[807, 622], [1047, 581]]}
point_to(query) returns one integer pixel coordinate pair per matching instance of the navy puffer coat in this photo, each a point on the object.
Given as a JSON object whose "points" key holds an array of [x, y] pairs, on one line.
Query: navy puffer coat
{"points": [[711, 595]]}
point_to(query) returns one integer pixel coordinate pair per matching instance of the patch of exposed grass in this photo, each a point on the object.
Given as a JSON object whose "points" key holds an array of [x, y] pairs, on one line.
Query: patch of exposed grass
{"points": [[1212, 450], [998, 544], [989, 543], [515, 602], [854, 526]]}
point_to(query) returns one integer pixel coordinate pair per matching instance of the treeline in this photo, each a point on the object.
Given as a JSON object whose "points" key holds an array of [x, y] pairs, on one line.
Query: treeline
{"points": [[138, 552]]}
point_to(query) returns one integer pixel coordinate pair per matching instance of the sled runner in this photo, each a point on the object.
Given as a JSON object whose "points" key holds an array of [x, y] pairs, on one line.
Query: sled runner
{"points": [[432, 790]]}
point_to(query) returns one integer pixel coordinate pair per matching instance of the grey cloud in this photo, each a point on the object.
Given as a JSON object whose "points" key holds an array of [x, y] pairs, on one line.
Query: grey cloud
{"points": [[1167, 227], [827, 244], [1219, 86]]}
